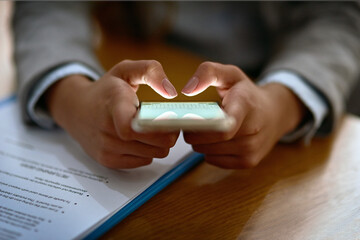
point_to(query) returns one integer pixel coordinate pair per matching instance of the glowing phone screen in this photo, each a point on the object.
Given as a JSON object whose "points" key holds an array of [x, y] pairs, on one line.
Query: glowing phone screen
{"points": [[180, 110]]}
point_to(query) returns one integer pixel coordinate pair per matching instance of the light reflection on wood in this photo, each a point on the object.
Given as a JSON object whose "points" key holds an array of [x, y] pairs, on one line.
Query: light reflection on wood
{"points": [[297, 192]]}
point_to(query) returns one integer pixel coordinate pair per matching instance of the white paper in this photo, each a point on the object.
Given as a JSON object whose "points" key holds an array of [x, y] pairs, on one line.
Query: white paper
{"points": [[50, 189]]}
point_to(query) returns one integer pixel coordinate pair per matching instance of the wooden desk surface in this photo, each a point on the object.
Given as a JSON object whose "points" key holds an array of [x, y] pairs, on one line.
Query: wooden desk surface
{"points": [[297, 192]]}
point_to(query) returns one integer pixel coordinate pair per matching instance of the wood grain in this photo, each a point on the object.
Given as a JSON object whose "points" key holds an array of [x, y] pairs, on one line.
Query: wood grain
{"points": [[297, 192]]}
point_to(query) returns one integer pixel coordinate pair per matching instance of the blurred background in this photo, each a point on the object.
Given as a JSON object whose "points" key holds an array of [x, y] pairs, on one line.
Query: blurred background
{"points": [[147, 37], [7, 70]]}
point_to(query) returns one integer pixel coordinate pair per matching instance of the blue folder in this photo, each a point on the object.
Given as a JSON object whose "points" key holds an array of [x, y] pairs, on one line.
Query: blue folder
{"points": [[161, 183], [191, 161]]}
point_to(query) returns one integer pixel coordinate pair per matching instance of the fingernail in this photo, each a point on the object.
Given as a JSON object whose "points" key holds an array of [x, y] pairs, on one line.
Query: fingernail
{"points": [[190, 86], [169, 88]]}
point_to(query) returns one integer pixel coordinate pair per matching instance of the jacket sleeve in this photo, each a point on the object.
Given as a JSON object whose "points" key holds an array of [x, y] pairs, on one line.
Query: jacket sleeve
{"points": [[48, 35], [321, 43]]}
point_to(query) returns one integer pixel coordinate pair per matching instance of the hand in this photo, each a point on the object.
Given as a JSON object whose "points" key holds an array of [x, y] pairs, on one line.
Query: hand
{"points": [[98, 114], [263, 115]]}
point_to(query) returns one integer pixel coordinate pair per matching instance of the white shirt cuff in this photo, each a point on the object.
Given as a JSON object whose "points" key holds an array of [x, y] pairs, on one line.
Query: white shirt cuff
{"points": [[315, 103], [39, 115]]}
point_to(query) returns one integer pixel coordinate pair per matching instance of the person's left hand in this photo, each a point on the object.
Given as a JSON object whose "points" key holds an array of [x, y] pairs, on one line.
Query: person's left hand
{"points": [[263, 115]]}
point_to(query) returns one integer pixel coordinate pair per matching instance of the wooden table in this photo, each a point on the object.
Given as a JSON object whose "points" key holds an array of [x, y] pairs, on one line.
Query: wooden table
{"points": [[296, 192]]}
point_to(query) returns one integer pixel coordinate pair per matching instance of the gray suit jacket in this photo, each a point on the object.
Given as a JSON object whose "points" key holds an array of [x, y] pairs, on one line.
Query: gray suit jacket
{"points": [[319, 41]]}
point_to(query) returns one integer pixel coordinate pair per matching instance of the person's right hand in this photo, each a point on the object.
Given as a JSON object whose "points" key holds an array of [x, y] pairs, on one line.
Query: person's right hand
{"points": [[263, 114], [98, 114]]}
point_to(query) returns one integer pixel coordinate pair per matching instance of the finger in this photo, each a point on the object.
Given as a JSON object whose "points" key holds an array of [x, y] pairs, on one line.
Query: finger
{"points": [[117, 161], [148, 72], [234, 105], [212, 74], [134, 148], [122, 112], [229, 161], [241, 146], [244, 102], [158, 139], [195, 138], [221, 148]]}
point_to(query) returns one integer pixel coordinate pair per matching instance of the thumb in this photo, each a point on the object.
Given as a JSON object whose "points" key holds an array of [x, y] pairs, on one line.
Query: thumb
{"points": [[149, 72], [212, 74], [123, 109]]}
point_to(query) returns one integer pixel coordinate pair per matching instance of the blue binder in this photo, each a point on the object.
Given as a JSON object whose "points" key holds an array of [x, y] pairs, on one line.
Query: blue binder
{"points": [[161, 183]]}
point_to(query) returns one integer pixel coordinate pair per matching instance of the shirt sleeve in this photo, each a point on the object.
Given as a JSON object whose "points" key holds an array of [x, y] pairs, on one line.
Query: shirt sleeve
{"points": [[47, 37], [315, 103], [320, 42], [35, 110]]}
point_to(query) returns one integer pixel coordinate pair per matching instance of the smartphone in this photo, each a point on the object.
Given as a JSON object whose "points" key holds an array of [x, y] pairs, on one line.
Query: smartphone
{"points": [[193, 116]]}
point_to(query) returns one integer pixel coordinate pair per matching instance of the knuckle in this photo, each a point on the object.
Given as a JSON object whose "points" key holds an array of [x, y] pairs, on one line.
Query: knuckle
{"points": [[235, 70], [154, 63], [226, 136], [249, 161], [196, 148], [248, 148], [125, 133], [168, 144], [254, 130], [247, 97], [207, 66], [172, 140], [231, 67], [200, 148], [249, 156], [102, 142], [151, 65], [106, 125], [104, 159], [253, 145], [120, 65], [146, 161], [125, 61], [189, 138], [217, 161], [253, 103], [168, 141], [162, 152]]}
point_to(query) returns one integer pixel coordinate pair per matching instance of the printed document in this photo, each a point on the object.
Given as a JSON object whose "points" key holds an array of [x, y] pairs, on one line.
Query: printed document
{"points": [[50, 189]]}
